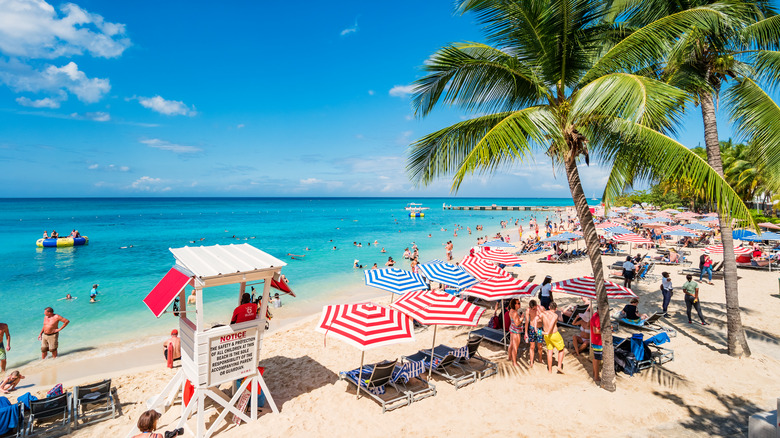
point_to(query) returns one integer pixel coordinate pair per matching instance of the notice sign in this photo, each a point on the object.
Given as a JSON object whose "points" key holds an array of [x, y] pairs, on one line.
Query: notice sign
{"points": [[232, 356]]}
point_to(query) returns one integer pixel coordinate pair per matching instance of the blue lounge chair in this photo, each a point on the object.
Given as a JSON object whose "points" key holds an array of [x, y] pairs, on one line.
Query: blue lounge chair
{"points": [[445, 367], [650, 324], [471, 361], [374, 381]]}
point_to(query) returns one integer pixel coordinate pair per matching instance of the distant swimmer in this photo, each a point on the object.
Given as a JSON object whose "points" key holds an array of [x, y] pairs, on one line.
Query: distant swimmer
{"points": [[306, 249], [68, 297], [296, 255], [334, 248], [356, 264], [130, 246], [383, 249], [203, 238]]}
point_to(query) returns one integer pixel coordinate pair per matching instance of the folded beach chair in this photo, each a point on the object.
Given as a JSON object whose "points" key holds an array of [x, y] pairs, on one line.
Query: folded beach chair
{"points": [[645, 273], [569, 322], [468, 357], [376, 382], [93, 403], [49, 415], [492, 335], [445, 367], [11, 419], [650, 324]]}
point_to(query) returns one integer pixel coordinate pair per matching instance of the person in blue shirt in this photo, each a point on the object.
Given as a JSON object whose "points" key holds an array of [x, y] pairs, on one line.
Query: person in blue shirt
{"points": [[93, 293]]}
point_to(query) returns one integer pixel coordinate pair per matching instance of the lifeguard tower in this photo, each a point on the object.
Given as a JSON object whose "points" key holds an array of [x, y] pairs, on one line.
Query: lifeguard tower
{"points": [[213, 356]]}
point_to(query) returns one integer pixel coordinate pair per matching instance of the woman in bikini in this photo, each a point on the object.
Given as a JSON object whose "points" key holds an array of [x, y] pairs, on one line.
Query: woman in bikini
{"points": [[9, 383], [147, 424], [533, 334], [515, 329]]}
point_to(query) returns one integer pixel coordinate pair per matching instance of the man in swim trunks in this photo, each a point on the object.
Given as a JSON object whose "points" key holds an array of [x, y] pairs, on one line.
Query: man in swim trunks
{"points": [[552, 338], [174, 344], [50, 332], [4, 347]]}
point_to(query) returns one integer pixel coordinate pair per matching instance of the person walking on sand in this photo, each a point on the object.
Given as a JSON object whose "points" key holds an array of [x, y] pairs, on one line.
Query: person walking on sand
{"points": [[691, 290], [552, 338], [666, 292], [51, 332], [4, 332]]}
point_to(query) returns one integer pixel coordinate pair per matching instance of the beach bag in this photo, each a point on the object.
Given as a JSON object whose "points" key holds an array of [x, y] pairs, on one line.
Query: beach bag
{"points": [[495, 322], [57, 390]]}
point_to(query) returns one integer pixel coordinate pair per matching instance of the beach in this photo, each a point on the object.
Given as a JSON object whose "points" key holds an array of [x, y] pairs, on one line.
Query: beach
{"points": [[702, 392]]}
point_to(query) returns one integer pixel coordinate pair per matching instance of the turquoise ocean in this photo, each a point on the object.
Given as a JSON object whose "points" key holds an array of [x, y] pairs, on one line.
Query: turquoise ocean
{"points": [[34, 278]]}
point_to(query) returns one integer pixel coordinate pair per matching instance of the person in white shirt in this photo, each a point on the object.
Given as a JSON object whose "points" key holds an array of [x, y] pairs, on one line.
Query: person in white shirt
{"points": [[628, 272], [666, 291]]}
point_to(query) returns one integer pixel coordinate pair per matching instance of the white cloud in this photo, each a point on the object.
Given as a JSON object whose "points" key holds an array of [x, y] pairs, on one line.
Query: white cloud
{"points": [[329, 185], [404, 137], [149, 184], [93, 166], [124, 168], [46, 102], [371, 92], [167, 107], [110, 167], [308, 181], [34, 29], [402, 90], [168, 146], [53, 80], [350, 30], [98, 116], [240, 125]]}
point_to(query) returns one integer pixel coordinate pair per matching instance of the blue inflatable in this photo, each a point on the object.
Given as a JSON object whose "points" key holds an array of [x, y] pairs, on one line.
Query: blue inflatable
{"points": [[62, 241]]}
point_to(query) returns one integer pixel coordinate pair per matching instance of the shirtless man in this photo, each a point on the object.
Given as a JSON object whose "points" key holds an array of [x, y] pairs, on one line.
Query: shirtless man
{"points": [[4, 347], [533, 335], [175, 342], [50, 332], [552, 337]]}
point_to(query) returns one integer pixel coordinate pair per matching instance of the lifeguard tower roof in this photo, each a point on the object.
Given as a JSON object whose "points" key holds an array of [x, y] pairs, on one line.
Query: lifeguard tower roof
{"points": [[206, 262]]}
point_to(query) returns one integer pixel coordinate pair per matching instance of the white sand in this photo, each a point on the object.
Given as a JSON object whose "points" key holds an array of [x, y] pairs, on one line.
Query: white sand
{"points": [[703, 392]]}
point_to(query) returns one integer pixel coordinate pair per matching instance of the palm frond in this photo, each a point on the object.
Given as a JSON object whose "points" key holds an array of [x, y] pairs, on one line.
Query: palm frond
{"points": [[756, 117], [476, 77], [767, 66], [639, 99], [654, 156], [483, 143], [763, 34], [649, 44]]}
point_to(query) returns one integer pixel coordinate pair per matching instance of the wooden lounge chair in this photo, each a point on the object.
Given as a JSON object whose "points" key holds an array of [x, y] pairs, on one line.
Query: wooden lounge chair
{"points": [[49, 415], [93, 403], [376, 382], [446, 368]]}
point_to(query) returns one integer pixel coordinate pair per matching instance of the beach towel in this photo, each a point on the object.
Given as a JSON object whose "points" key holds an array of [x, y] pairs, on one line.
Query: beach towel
{"points": [[9, 415], [25, 399], [660, 338], [367, 370], [637, 346], [462, 352], [409, 370], [57, 390]]}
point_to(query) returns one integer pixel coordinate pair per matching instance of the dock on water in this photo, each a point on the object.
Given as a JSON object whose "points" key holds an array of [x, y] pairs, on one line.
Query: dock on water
{"points": [[495, 207]]}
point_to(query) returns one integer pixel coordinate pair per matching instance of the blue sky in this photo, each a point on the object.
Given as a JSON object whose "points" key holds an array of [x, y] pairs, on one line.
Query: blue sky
{"points": [[192, 98]]}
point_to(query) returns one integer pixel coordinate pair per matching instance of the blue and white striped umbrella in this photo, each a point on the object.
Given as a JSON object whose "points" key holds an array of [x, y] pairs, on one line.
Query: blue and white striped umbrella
{"points": [[448, 274], [617, 230], [680, 233], [698, 227], [563, 237], [498, 244], [767, 235], [397, 281], [612, 214]]}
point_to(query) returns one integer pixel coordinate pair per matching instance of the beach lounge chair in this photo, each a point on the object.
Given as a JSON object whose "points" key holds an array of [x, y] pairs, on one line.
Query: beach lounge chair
{"points": [[374, 381], [492, 335], [48, 415], [569, 321], [650, 323], [531, 279], [446, 368], [473, 361], [646, 273], [654, 354], [11, 419], [93, 403]]}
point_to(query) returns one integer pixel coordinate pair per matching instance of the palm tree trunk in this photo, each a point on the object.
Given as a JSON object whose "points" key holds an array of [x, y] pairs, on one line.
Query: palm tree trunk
{"points": [[594, 253], [737, 340]]}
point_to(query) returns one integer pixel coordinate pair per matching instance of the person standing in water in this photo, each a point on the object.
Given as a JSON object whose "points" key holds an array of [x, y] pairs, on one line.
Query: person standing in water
{"points": [[50, 332]]}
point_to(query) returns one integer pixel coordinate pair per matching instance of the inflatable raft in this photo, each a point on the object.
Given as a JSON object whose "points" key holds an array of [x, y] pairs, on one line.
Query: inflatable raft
{"points": [[62, 241]]}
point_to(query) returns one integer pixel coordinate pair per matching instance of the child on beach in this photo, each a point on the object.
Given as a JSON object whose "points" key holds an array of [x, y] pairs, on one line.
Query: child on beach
{"points": [[9, 383]]}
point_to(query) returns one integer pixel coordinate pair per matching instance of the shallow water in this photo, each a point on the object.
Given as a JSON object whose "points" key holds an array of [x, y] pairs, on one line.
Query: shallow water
{"points": [[34, 278]]}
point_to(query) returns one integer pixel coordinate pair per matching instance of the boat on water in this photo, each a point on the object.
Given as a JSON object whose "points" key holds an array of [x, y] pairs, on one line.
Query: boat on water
{"points": [[416, 210], [62, 242]]}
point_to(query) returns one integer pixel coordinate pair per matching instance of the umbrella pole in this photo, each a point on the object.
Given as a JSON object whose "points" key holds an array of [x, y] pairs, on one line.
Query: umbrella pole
{"points": [[433, 344], [503, 326], [391, 297], [360, 374]]}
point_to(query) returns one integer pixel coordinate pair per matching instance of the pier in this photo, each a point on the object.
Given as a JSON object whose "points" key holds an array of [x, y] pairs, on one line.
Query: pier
{"points": [[495, 207]]}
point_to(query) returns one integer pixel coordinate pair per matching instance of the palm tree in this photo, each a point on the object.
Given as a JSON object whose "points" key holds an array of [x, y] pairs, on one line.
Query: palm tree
{"points": [[715, 61], [543, 89]]}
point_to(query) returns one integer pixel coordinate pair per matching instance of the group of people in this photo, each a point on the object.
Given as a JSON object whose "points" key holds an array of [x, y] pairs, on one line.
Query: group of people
{"points": [[56, 235]]}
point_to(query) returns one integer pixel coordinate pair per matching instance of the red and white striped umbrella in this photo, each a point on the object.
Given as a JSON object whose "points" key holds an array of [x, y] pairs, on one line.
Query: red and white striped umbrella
{"points": [[500, 288], [631, 237], [603, 225], [586, 287], [365, 325], [687, 215], [718, 249], [498, 256], [481, 269], [674, 228], [438, 308]]}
